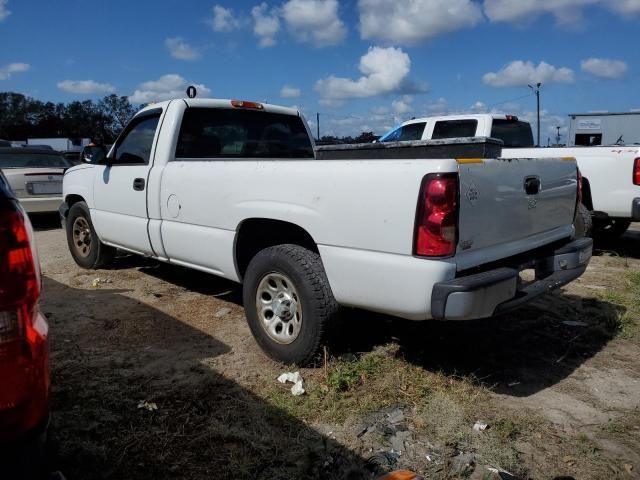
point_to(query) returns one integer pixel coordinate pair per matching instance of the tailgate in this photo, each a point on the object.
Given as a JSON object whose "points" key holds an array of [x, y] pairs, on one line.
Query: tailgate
{"points": [[509, 206]]}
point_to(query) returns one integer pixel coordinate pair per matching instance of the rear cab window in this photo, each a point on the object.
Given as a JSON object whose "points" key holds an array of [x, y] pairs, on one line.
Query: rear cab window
{"points": [[514, 134], [454, 129], [238, 133], [411, 131]]}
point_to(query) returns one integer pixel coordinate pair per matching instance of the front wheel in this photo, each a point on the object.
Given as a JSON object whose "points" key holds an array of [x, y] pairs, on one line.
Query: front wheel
{"points": [[288, 303], [86, 248], [612, 228]]}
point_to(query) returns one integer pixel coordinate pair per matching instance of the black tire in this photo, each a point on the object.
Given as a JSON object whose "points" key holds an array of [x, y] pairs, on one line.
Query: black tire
{"points": [[319, 308], [611, 229], [583, 222], [88, 252]]}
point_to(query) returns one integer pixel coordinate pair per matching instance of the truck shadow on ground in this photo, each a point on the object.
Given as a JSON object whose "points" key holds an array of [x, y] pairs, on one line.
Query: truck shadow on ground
{"points": [[132, 398], [628, 245], [516, 354]]}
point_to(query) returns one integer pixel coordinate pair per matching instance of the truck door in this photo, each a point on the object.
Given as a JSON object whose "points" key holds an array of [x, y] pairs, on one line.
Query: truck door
{"points": [[120, 187]]}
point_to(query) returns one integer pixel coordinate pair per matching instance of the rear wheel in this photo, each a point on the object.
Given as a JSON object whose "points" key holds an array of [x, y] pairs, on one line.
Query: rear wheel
{"points": [[86, 248], [583, 222], [288, 302]]}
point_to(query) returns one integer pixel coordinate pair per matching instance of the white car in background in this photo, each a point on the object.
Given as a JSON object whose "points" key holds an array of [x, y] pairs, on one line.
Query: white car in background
{"points": [[35, 176]]}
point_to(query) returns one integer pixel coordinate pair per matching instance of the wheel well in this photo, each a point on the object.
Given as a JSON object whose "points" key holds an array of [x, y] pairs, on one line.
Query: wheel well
{"points": [[256, 234], [71, 199], [587, 201]]}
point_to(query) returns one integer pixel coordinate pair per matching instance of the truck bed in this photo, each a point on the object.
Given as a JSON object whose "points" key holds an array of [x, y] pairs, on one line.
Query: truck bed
{"points": [[467, 147]]}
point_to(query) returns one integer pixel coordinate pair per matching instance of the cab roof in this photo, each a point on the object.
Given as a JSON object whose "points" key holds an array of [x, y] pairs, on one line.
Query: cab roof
{"points": [[220, 103]]}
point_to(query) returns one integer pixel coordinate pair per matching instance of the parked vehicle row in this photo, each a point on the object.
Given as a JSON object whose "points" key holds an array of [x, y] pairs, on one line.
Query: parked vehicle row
{"points": [[611, 174], [35, 175], [435, 230]]}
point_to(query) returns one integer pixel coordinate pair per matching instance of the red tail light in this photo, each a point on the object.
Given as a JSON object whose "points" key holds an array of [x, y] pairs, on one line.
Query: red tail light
{"points": [[24, 370], [636, 172], [436, 232]]}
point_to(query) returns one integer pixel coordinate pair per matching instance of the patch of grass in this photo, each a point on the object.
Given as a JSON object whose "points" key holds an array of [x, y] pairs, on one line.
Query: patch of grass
{"points": [[627, 321], [344, 376]]}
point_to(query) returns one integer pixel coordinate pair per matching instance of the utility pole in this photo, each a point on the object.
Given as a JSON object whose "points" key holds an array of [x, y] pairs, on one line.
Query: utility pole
{"points": [[318, 124], [558, 136], [536, 90]]}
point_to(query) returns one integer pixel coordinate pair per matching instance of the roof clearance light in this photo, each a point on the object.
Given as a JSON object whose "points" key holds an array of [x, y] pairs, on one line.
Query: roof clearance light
{"points": [[245, 104]]}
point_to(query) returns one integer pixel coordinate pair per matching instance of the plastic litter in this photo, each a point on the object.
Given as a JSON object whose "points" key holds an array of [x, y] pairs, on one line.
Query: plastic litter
{"points": [[296, 379], [97, 281], [573, 323], [401, 475], [480, 427], [151, 406]]}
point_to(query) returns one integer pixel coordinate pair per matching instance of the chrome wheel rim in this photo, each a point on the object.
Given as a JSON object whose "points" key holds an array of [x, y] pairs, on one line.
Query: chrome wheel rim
{"points": [[279, 308], [81, 237]]}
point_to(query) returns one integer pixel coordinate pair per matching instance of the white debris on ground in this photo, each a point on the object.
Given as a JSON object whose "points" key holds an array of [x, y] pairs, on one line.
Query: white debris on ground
{"points": [[296, 379], [98, 281], [480, 427], [151, 406]]}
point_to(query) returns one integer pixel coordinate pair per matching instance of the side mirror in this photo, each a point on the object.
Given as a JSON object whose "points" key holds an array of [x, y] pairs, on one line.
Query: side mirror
{"points": [[93, 154]]}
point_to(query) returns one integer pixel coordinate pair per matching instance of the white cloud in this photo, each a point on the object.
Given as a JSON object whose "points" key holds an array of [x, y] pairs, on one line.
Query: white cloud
{"points": [[265, 24], [4, 12], [85, 87], [403, 105], [314, 21], [289, 92], [180, 49], [604, 67], [409, 23], [7, 70], [165, 88], [478, 107], [519, 74], [223, 19], [625, 7], [565, 11], [384, 71]]}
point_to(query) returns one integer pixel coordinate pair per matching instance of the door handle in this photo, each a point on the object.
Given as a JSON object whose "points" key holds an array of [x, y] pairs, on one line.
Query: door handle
{"points": [[138, 184]]}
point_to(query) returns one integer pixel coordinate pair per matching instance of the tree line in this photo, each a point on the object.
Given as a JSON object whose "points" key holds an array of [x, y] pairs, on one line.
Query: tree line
{"points": [[23, 117]]}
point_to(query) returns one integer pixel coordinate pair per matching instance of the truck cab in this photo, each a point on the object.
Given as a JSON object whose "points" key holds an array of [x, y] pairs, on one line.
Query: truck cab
{"points": [[508, 128]]}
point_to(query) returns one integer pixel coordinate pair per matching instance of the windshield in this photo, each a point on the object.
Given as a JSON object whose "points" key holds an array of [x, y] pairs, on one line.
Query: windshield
{"points": [[513, 134], [32, 160]]}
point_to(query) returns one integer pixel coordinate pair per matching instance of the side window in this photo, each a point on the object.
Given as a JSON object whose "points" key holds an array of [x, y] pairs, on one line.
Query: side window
{"points": [[412, 131], [134, 147], [455, 129], [228, 133]]}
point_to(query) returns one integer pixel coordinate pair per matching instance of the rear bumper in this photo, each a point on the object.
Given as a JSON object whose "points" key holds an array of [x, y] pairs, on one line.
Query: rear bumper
{"points": [[497, 291], [635, 210], [40, 204]]}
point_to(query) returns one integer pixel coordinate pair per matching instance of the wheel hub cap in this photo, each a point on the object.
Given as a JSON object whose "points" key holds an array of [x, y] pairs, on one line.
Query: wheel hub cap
{"points": [[81, 237], [279, 308]]}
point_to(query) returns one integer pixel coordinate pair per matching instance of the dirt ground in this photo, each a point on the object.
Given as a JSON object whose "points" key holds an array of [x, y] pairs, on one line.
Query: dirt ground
{"points": [[559, 399]]}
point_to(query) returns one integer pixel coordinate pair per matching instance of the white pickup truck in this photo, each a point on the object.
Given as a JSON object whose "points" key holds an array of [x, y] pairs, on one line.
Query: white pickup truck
{"points": [[611, 174], [238, 189]]}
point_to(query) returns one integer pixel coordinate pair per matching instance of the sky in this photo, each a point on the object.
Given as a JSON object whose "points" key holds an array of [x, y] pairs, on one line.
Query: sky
{"points": [[363, 65]]}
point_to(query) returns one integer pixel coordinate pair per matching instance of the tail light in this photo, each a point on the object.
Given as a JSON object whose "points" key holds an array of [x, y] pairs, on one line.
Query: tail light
{"points": [[636, 171], [24, 369], [436, 227]]}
